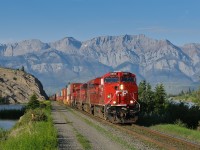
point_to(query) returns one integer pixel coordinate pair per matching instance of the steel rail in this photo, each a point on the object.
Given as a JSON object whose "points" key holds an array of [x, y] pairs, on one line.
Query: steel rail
{"points": [[172, 139]]}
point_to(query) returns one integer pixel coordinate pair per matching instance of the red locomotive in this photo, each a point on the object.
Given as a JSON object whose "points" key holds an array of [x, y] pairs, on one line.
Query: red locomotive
{"points": [[114, 97]]}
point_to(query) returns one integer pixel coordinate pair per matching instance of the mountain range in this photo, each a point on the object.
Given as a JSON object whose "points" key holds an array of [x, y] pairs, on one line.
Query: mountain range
{"points": [[69, 60]]}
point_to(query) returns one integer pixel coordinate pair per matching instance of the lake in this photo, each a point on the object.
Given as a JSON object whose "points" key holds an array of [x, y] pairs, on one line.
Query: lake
{"points": [[11, 106], [8, 123]]}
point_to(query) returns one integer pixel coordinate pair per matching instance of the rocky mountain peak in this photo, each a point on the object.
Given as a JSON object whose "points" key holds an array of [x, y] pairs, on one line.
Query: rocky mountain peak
{"points": [[192, 46], [193, 51], [67, 44], [26, 46]]}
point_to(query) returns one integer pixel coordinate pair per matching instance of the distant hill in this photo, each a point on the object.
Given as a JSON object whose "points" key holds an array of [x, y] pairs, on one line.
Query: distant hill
{"points": [[18, 86], [70, 60]]}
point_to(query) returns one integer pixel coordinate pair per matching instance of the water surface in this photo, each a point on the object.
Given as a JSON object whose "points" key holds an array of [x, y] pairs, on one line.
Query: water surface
{"points": [[7, 124], [11, 106]]}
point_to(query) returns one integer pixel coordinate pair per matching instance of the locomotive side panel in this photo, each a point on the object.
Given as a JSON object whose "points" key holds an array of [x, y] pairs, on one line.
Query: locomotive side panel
{"points": [[72, 93], [93, 91], [83, 93], [64, 92]]}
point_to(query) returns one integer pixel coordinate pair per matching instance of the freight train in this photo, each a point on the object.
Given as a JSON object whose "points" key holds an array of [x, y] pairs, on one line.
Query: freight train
{"points": [[113, 96]]}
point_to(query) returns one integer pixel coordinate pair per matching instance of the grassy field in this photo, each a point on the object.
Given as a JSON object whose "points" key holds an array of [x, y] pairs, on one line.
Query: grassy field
{"points": [[178, 130], [34, 130]]}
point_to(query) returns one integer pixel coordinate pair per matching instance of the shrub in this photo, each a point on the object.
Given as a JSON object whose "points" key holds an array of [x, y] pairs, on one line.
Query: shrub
{"points": [[3, 134], [180, 123], [43, 105], [33, 115], [38, 115], [33, 103], [198, 128], [189, 116]]}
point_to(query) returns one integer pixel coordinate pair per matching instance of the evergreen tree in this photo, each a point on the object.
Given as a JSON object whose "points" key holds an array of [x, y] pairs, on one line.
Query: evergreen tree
{"points": [[145, 97], [198, 96], [150, 98], [182, 93], [160, 98], [142, 95], [189, 91], [22, 69], [141, 88], [33, 103]]}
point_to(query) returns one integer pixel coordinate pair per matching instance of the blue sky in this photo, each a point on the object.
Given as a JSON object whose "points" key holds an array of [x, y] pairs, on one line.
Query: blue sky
{"points": [[51, 20]]}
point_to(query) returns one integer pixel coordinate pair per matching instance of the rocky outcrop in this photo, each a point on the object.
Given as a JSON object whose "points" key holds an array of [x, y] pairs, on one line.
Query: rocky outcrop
{"points": [[17, 86]]}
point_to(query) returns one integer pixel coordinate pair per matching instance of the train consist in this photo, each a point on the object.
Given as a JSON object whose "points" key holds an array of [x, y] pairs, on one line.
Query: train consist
{"points": [[114, 97]]}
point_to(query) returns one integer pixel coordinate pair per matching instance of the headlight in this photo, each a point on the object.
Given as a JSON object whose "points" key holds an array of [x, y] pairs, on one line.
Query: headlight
{"points": [[109, 96], [114, 102], [131, 101], [121, 87]]}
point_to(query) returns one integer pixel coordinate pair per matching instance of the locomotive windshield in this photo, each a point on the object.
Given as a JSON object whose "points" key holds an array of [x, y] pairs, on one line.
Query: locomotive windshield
{"points": [[127, 79], [111, 79]]}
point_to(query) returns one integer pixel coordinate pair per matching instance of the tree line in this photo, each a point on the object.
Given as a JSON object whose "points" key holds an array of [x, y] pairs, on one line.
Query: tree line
{"points": [[156, 108]]}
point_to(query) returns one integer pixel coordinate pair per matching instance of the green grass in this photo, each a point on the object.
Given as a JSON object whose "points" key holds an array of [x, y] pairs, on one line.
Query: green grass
{"points": [[179, 131], [31, 135], [3, 134], [83, 140]]}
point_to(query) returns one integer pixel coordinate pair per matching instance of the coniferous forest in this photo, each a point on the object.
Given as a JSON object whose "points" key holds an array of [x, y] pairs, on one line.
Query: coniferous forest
{"points": [[157, 109]]}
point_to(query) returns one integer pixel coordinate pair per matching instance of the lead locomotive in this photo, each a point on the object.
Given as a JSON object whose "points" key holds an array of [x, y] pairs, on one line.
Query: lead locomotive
{"points": [[114, 97]]}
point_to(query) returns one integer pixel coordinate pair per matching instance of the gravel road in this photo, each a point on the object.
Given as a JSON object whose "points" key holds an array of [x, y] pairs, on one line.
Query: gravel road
{"points": [[71, 123]]}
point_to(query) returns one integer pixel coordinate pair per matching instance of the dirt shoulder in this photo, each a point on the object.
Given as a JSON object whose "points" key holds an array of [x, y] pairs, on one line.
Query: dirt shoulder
{"points": [[69, 125], [66, 136], [72, 125]]}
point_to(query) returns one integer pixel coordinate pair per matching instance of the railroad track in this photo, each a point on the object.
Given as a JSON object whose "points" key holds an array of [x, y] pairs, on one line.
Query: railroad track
{"points": [[170, 141], [156, 138]]}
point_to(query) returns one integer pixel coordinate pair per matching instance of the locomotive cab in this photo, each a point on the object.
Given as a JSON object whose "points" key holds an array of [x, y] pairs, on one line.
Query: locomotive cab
{"points": [[120, 96]]}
